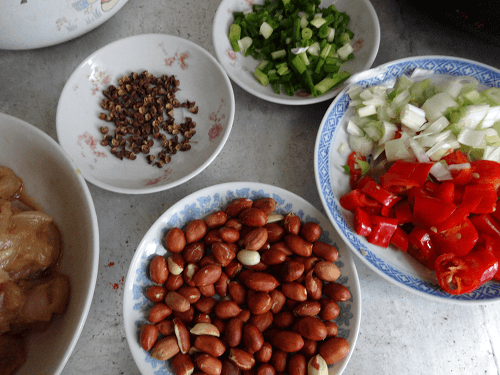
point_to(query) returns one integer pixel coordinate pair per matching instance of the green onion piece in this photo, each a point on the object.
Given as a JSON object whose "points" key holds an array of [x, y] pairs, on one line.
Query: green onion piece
{"points": [[282, 68], [278, 54], [234, 36], [365, 166], [330, 82], [347, 169], [307, 33], [318, 22], [262, 77], [298, 64], [266, 30], [244, 43]]}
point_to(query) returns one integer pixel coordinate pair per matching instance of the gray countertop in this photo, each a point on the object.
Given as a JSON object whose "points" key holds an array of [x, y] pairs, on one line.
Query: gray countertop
{"points": [[401, 333]]}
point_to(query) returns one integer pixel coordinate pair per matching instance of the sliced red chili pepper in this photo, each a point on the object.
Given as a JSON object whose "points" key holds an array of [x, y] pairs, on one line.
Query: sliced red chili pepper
{"points": [[458, 240], [485, 172], [356, 199], [459, 275], [387, 211], [402, 211], [382, 230], [400, 239], [429, 211], [487, 224], [421, 247], [378, 193], [445, 192], [362, 222], [407, 174], [460, 176], [430, 186], [354, 168], [413, 192], [487, 193], [363, 180]]}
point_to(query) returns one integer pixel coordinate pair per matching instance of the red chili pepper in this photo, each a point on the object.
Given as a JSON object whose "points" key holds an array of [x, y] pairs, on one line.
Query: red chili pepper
{"points": [[402, 211], [487, 224], [400, 239], [382, 230], [354, 168], [459, 275], [458, 240], [376, 191], [487, 193], [362, 223], [461, 176], [421, 247], [363, 180], [405, 174], [445, 192], [429, 211], [356, 199], [485, 172]]}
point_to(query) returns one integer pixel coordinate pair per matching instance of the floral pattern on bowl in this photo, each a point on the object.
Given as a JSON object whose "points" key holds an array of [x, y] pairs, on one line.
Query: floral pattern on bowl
{"points": [[199, 205]]}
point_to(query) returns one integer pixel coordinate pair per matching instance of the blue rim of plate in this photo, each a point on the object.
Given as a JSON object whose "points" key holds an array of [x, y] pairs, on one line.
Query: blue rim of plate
{"points": [[452, 66], [205, 201]]}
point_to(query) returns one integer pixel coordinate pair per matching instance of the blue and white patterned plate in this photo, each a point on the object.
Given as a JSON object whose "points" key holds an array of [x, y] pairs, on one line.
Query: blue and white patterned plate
{"points": [[395, 266], [199, 205]]}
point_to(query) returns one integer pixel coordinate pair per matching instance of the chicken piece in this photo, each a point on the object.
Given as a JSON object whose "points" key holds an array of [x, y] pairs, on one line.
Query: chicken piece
{"points": [[10, 184]]}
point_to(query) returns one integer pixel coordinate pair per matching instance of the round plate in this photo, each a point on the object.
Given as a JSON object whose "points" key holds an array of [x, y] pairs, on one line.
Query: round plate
{"points": [[364, 24], [199, 205], [394, 265], [36, 24], [201, 80]]}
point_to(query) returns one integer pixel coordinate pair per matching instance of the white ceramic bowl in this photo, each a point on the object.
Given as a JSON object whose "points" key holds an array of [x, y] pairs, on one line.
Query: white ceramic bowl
{"points": [[364, 24], [36, 24], [395, 266], [52, 179], [199, 205], [201, 79]]}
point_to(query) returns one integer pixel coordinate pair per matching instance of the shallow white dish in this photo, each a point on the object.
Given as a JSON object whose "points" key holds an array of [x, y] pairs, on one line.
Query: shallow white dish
{"points": [[36, 24], [202, 80], [394, 265], [199, 205], [364, 24], [51, 178]]}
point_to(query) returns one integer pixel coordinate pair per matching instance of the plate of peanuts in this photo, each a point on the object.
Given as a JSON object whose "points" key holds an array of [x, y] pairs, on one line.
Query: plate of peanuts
{"points": [[242, 277]]}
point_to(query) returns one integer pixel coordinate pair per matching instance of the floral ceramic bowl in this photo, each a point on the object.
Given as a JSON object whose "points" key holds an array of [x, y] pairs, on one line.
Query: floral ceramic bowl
{"points": [[36, 24], [199, 205], [201, 82]]}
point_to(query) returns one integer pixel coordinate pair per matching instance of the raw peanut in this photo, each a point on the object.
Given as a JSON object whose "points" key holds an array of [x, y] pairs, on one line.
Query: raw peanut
{"points": [[210, 345], [221, 285], [294, 291], [165, 348], [223, 253], [261, 282], [317, 366], [263, 355], [259, 303], [283, 319], [252, 338], [229, 368], [189, 271], [274, 218], [233, 268], [175, 263], [193, 252], [265, 369], [241, 359], [242, 276], [312, 328], [279, 300], [220, 324], [307, 308], [272, 257], [288, 341], [182, 364], [207, 275], [205, 329], [202, 318], [255, 239], [262, 321], [337, 292], [259, 267], [206, 304], [207, 290], [235, 207], [268, 205], [244, 315], [234, 222], [186, 316], [148, 336], [158, 269], [291, 223], [234, 332], [297, 365], [229, 234], [326, 271], [308, 262], [237, 292], [216, 219], [253, 217], [281, 246], [174, 282], [279, 360], [175, 240], [325, 251], [211, 237], [290, 304], [208, 259], [191, 293], [248, 257], [310, 231], [182, 335], [156, 293], [331, 328], [290, 270], [195, 230], [166, 327], [209, 364], [314, 286], [177, 302], [298, 245], [329, 309], [159, 312], [334, 349], [310, 348], [275, 232], [227, 309]]}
